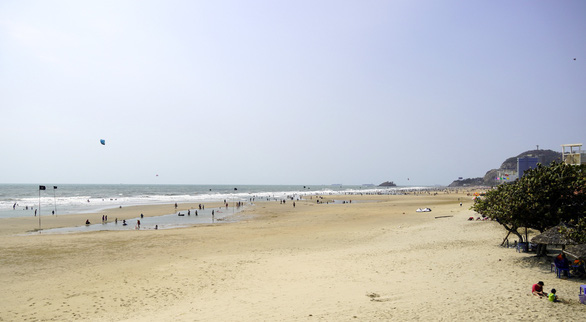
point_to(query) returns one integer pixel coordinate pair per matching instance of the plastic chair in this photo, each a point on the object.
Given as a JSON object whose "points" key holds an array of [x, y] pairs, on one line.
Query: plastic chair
{"points": [[559, 271], [522, 247], [578, 269]]}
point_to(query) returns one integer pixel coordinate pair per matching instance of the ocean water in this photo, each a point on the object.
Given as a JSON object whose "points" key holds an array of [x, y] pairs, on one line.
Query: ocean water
{"points": [[21, 200], [169, 221]]}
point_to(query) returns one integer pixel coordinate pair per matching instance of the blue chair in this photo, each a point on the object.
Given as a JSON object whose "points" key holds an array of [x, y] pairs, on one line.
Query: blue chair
{"points": [[559, 271], [522, 247]]}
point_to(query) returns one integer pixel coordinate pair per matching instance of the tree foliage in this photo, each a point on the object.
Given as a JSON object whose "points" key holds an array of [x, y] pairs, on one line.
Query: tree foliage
{"points": [[541, 199], [577, 232]]}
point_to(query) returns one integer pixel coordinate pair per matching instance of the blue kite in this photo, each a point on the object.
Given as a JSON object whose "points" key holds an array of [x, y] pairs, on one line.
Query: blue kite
{"points": [[103, 141]]}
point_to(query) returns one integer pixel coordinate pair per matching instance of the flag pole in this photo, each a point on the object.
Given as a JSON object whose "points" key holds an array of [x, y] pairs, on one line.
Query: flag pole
{"points": [[40, 208], [40, 188], [234, 200], [55, 199]]}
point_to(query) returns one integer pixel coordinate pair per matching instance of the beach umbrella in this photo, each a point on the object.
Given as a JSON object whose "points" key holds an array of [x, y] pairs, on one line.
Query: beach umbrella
{"points": [[576, 251], [553, 236]]}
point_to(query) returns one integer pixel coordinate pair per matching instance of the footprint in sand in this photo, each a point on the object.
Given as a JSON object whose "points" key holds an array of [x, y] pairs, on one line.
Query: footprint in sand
{"points": [[376, 298], [372, 295]]}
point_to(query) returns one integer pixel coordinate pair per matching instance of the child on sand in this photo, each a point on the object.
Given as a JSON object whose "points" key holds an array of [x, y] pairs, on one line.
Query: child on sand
{"points": [[552, 297], [537, 289]]}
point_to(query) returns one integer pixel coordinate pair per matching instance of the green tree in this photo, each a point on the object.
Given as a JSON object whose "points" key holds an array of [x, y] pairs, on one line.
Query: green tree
{"points": [[577, 232], [542, 198], [503, 204]]}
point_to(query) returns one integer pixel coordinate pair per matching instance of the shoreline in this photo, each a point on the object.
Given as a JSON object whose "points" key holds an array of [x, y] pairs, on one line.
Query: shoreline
{"points": [[371, 261], [29, 224], [16, 225], [19, 201]]}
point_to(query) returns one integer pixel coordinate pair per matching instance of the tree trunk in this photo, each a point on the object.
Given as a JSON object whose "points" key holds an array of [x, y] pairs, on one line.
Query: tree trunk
{"points": [[541, 250], [506, 240]]}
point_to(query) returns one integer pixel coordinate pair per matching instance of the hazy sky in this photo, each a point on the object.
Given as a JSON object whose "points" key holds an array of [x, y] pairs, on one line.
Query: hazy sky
{"points": [[285, 92]]}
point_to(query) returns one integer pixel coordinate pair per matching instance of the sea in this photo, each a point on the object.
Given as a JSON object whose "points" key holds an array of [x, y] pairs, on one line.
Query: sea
{"points": [[29, 200]]}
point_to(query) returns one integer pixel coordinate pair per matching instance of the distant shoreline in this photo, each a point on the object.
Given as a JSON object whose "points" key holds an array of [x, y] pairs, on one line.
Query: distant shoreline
{"points": [[89, 198]]}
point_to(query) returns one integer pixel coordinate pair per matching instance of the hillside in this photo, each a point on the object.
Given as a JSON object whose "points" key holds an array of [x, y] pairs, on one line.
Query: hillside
{"points": [[544, 156]]}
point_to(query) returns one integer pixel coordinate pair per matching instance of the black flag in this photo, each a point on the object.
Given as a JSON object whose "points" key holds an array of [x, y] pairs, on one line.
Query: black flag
{"points": [[41, 187]]}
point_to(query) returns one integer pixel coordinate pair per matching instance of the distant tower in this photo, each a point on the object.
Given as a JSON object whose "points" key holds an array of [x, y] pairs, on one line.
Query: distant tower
{"points": [[538, 147]]}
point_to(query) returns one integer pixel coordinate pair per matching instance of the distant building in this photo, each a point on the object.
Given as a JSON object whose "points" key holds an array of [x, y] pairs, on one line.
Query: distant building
{"points": [[572, 154], [504, 176], [526, 163], [523, 164]]}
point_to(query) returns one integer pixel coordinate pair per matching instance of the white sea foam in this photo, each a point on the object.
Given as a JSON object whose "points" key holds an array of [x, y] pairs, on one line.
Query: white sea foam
{"points": [[67, 199]]}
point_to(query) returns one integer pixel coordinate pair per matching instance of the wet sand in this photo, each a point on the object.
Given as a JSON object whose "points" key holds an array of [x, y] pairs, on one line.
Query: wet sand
{"points": [[367, 261]]}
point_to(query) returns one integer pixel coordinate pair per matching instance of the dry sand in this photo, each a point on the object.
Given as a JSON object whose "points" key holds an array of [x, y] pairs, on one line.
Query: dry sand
{"points": [[374, 260]]}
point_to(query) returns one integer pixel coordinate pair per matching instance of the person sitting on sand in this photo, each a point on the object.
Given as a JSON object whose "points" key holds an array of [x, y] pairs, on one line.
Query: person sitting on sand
{"points": [[87, 222], [578, 268], [537, 289], [552, 297]]}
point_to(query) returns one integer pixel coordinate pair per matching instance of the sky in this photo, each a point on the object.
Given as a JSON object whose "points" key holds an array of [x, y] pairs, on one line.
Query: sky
{"points": [[285, 92]]}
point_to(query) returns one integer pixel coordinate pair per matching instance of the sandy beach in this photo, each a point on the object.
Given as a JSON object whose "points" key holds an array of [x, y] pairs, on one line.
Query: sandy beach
{"points": [[374, 259]]}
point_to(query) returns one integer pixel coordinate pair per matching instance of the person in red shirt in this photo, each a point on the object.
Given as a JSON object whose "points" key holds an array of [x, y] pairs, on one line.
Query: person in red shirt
{"points": [[537, 289]]}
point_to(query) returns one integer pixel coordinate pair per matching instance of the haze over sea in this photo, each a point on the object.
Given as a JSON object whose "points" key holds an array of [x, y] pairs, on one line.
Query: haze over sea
{"points": [[21, 200]]}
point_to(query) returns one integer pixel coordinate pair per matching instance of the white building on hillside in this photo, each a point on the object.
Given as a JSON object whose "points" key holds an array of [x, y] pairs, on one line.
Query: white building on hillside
{"points": [[573, 154]]}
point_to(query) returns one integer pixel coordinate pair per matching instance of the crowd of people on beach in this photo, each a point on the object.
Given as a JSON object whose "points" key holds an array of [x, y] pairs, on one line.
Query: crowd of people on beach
{"points": [[200, 207]]}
